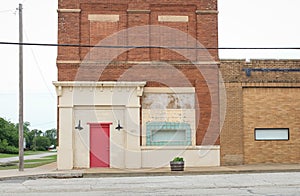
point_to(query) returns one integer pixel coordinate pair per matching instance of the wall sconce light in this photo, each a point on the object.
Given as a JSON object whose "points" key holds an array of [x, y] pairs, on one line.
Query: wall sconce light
{"points": [[79, 127], [119, 127]]}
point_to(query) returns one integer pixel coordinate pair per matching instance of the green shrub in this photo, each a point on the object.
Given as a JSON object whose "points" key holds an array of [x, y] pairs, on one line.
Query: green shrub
{"points": [[41, 143], [11, 150], [5, 148], [178, 159]]}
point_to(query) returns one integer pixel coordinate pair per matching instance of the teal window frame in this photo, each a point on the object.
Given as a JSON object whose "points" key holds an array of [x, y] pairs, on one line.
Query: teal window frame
{"points": [[171, 127]]}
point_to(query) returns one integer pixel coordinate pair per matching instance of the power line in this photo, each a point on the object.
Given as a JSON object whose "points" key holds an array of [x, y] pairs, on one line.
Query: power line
{"points": [[38, 66], [129, 47]]}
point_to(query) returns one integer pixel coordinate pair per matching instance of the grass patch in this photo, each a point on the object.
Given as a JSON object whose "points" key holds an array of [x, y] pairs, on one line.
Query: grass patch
{"points": [[29, 152], [44, 159], [39, 162], [30, 163], [4, 155]]}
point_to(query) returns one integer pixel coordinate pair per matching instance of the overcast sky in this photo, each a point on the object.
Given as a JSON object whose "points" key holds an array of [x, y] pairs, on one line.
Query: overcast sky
{"points": [[242, 23]]}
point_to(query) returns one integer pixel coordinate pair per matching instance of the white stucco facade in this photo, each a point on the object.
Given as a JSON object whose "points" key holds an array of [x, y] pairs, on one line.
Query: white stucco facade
{"points": [[96, 102]]}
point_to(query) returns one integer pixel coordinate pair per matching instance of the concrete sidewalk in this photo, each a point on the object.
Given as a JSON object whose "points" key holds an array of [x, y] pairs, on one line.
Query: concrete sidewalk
{"points": [[50, 171], [45, 171]]}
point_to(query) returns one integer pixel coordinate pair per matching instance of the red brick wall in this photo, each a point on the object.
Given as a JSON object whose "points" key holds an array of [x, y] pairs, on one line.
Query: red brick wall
{"points": [[126, 71], [75, 28], [68, 33], [140, 4]]}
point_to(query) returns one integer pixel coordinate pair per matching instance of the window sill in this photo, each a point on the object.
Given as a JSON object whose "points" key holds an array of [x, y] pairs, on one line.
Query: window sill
{"points": [[212, 147]]}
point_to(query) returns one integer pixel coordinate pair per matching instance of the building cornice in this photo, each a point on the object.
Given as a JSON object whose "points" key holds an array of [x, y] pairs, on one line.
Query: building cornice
{"points": [[138, 62], [98, 84], [270, 85], [60, 85], [137, 11]]}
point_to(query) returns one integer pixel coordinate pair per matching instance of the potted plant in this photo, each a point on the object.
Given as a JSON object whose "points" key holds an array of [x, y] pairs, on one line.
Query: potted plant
{"points": [[177, 164]]}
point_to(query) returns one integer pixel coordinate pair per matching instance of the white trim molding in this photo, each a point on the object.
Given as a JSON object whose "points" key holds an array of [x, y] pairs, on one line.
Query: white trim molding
{"points": [[98, 84], [103, 18], [169, 18], [68, 61], [69, 10]]}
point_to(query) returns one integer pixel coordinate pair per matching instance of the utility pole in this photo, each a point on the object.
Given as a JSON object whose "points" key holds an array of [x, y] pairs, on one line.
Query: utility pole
{"points": [[21, 129]]}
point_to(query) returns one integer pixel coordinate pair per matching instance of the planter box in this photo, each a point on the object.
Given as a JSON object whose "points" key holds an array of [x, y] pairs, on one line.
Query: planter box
{"points": [[177, 165]]}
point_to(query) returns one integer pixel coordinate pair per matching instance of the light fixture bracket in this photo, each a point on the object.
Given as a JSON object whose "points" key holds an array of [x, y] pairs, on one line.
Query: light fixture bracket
{"points": [[79, 127], [119, 127]]}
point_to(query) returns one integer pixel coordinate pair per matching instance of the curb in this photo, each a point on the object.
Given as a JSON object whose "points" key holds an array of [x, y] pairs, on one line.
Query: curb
{"points": [[43, 176], [182, 173], [138, 174]]}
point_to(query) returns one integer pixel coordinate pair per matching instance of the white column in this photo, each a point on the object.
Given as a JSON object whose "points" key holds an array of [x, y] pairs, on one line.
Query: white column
{"points": [[65, 151], [133, 157]]}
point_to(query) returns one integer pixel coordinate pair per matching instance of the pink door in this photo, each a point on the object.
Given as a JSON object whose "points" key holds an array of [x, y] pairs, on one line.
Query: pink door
{"points": [[99, 144]]}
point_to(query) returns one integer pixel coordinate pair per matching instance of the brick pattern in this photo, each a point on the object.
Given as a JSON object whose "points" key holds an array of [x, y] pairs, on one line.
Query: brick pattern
{"points": [[138, 19], [186, 27], [191, 77], [140, 4], [271, 108], [232, 71], [231, 138], [76, 28], [255, 106], [277, 106], [68, 33]]}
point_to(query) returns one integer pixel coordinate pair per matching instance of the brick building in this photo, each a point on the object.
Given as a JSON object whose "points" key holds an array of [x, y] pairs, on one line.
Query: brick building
{"points": [[154, 74], [262, 116]]}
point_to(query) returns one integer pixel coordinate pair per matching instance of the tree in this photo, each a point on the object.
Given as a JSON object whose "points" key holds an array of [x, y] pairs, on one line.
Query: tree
{"points": [[9, 132], [35, 139], [31, 143], [9, 137], [41, 142], [27, 137], [5, 148], [52, 135]]}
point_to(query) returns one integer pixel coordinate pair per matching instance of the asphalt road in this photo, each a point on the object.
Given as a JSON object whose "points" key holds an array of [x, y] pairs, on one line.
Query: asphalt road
{"points": [[225, 184]]}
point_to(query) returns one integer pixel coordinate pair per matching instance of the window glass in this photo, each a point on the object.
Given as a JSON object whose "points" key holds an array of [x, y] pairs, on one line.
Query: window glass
{"points": [[272, 134]]}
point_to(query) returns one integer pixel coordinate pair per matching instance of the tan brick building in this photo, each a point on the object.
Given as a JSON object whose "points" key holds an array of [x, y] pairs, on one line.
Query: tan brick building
{"points": [[152, 67], [261, 95]]}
